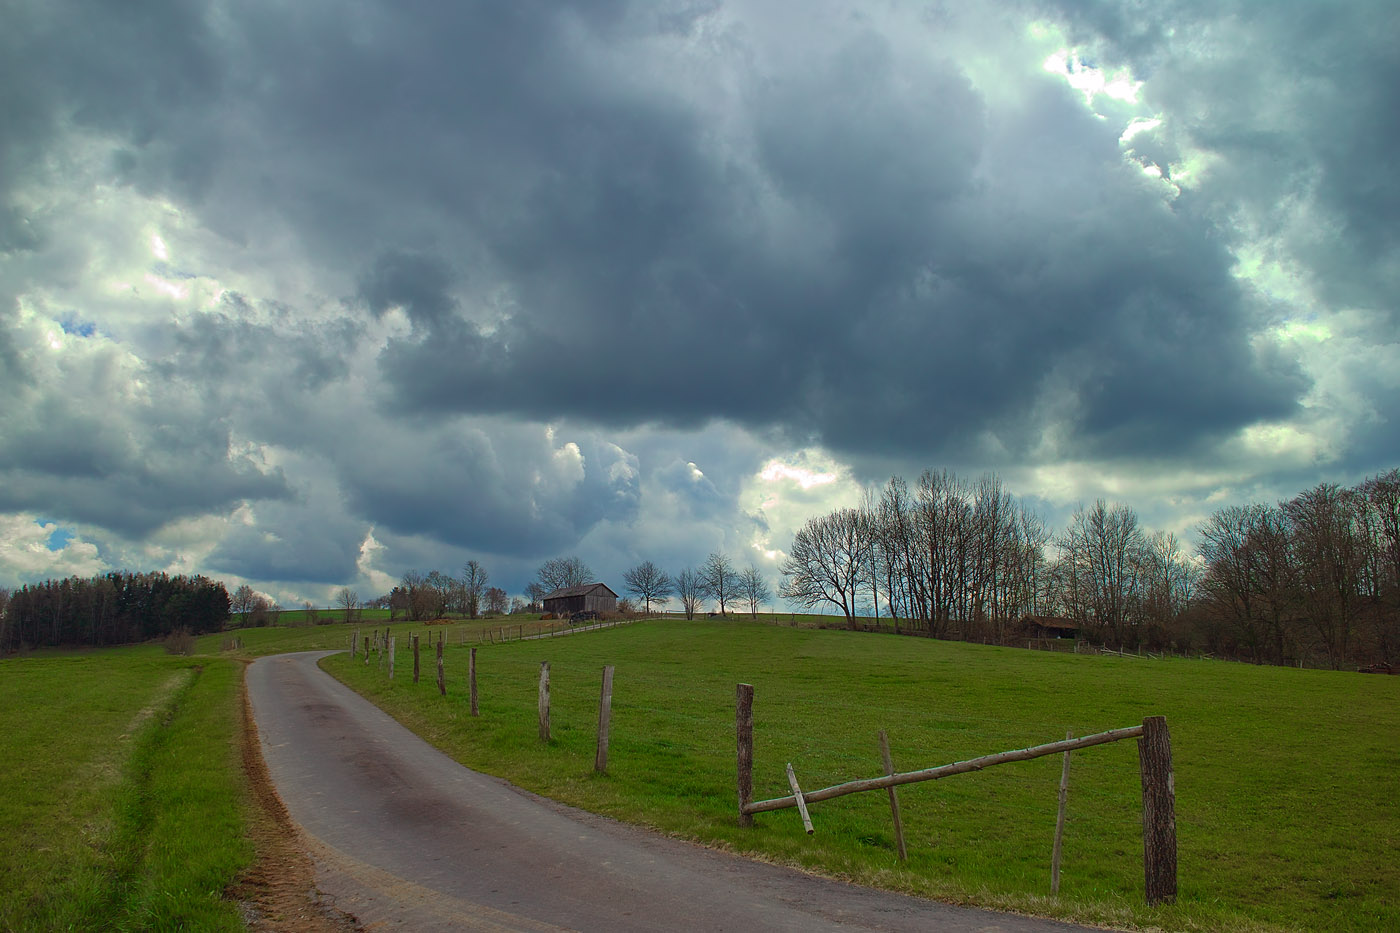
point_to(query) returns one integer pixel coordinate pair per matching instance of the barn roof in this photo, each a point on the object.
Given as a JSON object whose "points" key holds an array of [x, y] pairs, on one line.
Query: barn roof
{"points": [[564, 592], [1051, 622]]}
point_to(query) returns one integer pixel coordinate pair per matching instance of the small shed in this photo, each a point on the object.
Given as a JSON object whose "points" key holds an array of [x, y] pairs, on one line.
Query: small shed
{"points": [[1049, 627], [569, 601]]}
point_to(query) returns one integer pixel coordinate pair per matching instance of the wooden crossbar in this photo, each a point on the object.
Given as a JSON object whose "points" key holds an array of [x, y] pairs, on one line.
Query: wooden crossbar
{"points": [[933, 774]]}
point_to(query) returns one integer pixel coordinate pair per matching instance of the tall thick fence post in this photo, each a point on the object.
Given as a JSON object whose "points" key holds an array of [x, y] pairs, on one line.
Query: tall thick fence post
{"points": [[415, 658], [743, 727], [442, 675], [544, 701], [471, 682], [600, 760], [1158, 811], [393, 649]]}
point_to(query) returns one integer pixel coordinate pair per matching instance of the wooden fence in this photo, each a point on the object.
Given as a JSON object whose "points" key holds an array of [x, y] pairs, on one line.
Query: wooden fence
{"points": [[1154, 757]]}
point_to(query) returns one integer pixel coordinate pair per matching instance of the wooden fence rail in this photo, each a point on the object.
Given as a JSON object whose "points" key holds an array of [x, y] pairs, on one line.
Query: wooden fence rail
{"points": [[933, 774]]}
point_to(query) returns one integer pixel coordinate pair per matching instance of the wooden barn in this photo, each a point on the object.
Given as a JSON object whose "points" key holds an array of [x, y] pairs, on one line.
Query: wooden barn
{"points": [[570, 601], [1049, 627]]}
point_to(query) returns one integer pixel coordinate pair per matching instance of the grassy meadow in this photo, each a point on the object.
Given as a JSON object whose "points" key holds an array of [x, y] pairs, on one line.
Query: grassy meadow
{"points": [[120, 766], [1288, 792]]}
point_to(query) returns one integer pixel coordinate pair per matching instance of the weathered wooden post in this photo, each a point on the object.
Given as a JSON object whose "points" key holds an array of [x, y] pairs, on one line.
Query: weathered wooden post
{"points": [[1060, 824], [1158, 811], [415, 658], [544, 701], [354, 643], [600, 760], [393, 644], [442, 675], [894, 800], [471, 678], [743, 728]]}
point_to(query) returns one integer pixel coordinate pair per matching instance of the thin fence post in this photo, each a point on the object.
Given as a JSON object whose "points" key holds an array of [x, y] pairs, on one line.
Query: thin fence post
{"points": [[544, 701], [393, 644], [442, 675], [801, 802], [1060, 824], [1158, 811], [600, 760], [354, 643], [471, 677], [894, 800], [415, 658], [743, 727]]}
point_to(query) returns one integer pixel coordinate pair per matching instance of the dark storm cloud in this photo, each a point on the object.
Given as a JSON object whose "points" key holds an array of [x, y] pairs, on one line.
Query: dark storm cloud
{"points": [[1298, 99], [886, 268], [858, 247], [292, 542]]}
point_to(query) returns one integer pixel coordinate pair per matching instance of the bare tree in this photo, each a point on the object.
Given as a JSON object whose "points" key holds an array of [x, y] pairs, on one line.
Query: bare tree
{"points": [[1102, 557], [691, 588], [241, 602], [827, 563], [753, 589], [721, 579], [649, 583], [348, 600], [559, 572], [495, 600], [473, 587]]}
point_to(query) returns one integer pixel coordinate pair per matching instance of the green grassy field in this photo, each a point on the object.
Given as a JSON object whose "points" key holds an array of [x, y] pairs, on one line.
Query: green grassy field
{"points": [[124, 802], [1286, 780]]}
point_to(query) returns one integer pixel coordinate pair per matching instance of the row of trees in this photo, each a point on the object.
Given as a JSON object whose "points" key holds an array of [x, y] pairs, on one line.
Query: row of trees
{"points": [[948, 551], [1315, 576], [112, 609], [436, 594], [716, 579], [1319, 573]]}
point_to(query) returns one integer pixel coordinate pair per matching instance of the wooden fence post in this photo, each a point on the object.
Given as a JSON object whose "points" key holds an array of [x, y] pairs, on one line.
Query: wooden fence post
{"points": [[600, 760], [894, 800], [1060, 824], [354, 644], [393, 644], [415, 658], [1158, 811], [743, 727], [442, 675], [544, 701], [471, 677]]}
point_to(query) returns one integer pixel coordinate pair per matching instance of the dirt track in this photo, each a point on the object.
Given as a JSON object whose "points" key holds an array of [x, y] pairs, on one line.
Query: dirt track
{"points": [[402, 837]]}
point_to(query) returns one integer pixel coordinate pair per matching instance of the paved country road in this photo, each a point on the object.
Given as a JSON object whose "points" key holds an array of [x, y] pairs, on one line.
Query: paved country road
{"points": [[405, 838]]}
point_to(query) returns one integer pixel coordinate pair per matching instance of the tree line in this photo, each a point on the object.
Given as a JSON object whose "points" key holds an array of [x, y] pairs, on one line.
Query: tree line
{"points": [[111, 609], [716, 579], [1315, 577]]}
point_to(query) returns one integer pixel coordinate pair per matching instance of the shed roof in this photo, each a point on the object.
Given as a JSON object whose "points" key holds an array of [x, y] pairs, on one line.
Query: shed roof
{"points": [[1051, 622], [564, 592]]}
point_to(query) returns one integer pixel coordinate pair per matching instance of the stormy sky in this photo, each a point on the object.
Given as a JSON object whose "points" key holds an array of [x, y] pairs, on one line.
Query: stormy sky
{"points": [[308, 294]]}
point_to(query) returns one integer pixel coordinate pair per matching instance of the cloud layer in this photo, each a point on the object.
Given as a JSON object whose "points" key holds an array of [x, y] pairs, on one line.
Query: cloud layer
{"points": [[500, 281]]}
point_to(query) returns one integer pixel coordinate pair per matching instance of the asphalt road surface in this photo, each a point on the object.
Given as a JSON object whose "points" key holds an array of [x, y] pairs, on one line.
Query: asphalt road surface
{"points": [[405, 838]]}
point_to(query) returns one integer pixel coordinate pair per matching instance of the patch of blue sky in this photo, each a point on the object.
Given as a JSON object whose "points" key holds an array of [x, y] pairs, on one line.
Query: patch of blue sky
{"points": [[59, 537], [72, 324]]}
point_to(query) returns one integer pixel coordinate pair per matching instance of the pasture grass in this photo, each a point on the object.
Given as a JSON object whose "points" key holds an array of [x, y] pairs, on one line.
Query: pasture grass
{"points": [[1288, 814], [123, 803]]}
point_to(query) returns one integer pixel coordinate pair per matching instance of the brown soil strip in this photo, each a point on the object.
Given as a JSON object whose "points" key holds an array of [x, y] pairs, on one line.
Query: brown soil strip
{"points": [[278, 893]]}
